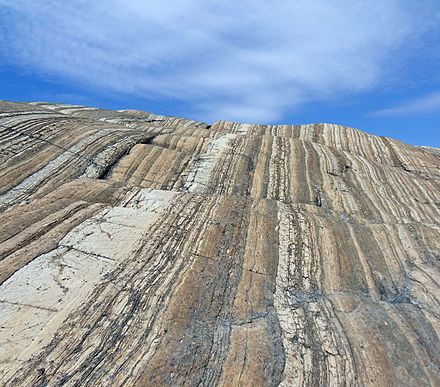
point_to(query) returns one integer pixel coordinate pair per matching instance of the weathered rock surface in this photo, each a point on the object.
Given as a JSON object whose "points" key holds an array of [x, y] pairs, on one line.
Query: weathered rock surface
{"points": [[139, 249]]}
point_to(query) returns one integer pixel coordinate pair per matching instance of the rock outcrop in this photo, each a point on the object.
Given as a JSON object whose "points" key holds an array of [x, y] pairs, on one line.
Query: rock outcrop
{"points": [[139, 249]]}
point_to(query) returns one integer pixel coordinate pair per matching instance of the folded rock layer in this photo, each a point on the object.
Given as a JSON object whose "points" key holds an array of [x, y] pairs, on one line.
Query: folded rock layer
{"points": [[138, 249]]}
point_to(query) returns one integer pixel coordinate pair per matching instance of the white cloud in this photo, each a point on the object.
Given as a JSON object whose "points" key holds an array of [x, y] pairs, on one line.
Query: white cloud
{"points": [[426, 104], [239, 60]]}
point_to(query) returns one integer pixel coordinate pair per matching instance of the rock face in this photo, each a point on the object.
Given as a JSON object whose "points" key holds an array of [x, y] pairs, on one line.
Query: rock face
{"points": [[139, 249]]}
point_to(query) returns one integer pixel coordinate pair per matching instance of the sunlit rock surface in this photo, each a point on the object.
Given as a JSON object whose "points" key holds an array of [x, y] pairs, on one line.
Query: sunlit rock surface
{"points": [[139, 249]]}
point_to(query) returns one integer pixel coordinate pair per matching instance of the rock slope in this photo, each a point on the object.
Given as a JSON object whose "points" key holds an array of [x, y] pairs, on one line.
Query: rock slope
{"points": [[139, 249]]}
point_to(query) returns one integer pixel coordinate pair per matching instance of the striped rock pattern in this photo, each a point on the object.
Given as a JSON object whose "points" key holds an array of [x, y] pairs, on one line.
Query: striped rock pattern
{"points": [[138, 249]]}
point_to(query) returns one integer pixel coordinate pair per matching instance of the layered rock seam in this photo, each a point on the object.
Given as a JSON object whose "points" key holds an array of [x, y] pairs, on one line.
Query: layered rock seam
{"points": [[138, 249]]}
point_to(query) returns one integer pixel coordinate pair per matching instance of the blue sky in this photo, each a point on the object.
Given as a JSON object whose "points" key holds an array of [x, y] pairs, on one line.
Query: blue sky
{"points": [[374, 65]]}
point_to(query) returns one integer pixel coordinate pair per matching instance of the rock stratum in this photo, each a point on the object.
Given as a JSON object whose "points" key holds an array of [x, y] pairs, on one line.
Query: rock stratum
{"points": [[139, 249]]}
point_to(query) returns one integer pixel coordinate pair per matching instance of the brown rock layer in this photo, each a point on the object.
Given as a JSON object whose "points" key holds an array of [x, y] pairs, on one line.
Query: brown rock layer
{"points": [[138, 249]]}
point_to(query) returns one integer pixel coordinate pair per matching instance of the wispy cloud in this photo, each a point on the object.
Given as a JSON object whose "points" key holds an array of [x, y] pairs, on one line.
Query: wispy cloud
{"points": [[425, 104], [240, 60]]}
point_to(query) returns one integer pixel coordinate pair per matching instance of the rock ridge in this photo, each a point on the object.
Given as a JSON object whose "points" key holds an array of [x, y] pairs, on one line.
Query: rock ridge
{"points": [[140, 249]]}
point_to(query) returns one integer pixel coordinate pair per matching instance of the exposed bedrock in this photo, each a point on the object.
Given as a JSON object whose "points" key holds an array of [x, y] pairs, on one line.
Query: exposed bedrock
{"points": [[138, 249]]}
